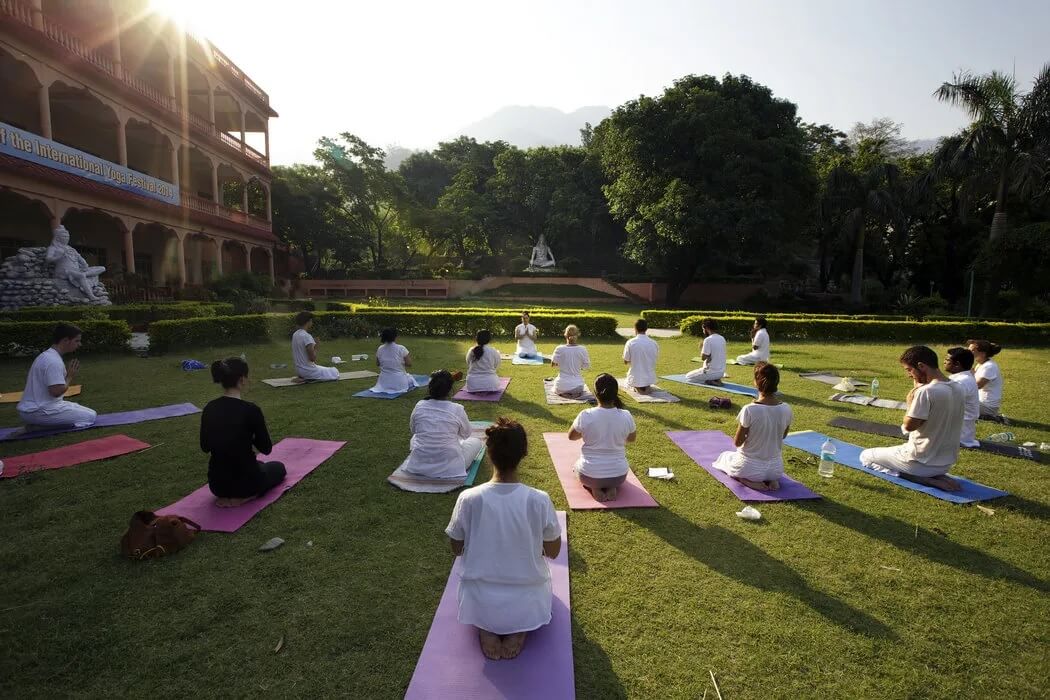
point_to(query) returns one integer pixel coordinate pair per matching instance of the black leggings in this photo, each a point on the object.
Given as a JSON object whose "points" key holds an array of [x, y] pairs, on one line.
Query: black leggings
{"points": [[268, 475], [273, 473]]}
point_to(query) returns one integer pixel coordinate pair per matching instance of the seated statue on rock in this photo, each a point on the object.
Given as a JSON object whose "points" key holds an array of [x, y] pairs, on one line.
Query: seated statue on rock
{"points": [[70, 266], [541, 254]]}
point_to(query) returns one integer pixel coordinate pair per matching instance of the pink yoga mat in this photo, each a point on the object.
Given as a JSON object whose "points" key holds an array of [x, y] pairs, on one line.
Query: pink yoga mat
{"points": [[71, 455], [704, 446], [300, 457], [464, 395], [452, 665], [565, 452]]}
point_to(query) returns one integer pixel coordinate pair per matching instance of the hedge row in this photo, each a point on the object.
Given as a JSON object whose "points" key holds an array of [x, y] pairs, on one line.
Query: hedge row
{"points": [[903, 332], [456, 322], [134, 314], [671, 318], [20, 338], [347, 306]]}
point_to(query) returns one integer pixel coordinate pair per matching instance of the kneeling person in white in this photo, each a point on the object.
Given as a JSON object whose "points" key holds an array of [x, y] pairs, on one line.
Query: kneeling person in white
{"points": [[482, 362], [759, 343], [958, 363], [442, 447], [605, 431], [42, 403], [640, 354], [503, 529], [392, 360], [933, 422], [713, 354], [304, 353], [757, 461], [525, 334], [570, 359]]}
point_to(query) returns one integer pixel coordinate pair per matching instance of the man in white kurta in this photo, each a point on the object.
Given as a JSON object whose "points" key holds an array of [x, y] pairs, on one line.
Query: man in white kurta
{"points": [[640, 354], [525, 335], [958, 362], [42, 401], [304, 352], [713, 355], [759, 344]]}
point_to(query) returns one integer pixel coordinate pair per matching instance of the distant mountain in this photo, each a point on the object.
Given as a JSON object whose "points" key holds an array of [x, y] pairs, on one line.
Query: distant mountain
{"points": [[526, 127]]}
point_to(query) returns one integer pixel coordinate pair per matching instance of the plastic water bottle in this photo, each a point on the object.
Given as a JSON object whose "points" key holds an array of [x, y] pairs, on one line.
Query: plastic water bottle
{"points": [[827, 459], [1001, 437], [875, 388]]}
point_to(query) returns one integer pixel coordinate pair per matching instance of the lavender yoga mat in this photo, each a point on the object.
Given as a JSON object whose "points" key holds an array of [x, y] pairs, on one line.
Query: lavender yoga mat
{"points": [[452, 665], [300, 457], [105, 420], [72, 455], [704, 446], [464, 395], [564, 453]]}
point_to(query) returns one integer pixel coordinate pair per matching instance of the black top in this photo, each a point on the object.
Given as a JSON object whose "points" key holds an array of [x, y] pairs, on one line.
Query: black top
{"points": [[229, 429]]}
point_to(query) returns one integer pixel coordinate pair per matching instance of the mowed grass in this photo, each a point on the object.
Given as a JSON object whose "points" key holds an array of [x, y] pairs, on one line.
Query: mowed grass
{"points": [[874, 591]]}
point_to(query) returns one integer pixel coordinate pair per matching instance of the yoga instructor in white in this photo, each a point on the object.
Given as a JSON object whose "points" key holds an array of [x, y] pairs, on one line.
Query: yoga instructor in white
{"points": [[49, 378], [442, 446], [713, 355], [304, 353], [503, 529], [759, 343], [525, 335]]}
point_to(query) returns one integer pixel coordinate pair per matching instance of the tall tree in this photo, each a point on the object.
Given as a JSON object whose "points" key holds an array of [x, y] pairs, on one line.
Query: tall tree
{"points": [[307, 214]]}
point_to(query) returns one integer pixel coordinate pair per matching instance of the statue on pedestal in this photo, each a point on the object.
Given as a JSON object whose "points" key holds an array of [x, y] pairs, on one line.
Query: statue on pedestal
{"points": [[70, 266], [542, 256], [53, 276]]}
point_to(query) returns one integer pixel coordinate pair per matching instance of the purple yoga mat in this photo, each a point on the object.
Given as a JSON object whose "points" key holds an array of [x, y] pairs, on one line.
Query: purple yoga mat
{"points": [[704, 446], [452, 665], [105, 420], [464, 395], [564, 453], [300, 457]]}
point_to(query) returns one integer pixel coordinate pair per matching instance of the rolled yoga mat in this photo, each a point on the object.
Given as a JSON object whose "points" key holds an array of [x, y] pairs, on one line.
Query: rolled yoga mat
{"points": [[72, 455], [16, 396], [704, 446], [104, 420], [421, 380], [724, 386], [894, 431], [451, 664], [848, 455], [300, 456], [406, 481], [464, 395], [564, 453], [290, 381]]}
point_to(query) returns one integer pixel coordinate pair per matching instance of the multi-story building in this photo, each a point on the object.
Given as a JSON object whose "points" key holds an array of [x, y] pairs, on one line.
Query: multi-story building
{"points": [[147, 143]]}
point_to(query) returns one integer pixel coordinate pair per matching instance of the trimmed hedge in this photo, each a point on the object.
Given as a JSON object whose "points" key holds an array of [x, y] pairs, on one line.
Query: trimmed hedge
{"points": [[346, 306], [903, 332], [672, 318], [22, 338], [134, 314]]}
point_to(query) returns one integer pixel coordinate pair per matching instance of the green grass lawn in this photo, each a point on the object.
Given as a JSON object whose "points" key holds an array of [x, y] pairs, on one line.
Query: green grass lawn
{"points": [[874, 591]]}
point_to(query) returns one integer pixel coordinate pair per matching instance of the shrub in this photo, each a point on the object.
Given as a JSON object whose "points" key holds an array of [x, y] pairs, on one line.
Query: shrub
{"points": [[134, 314], [456, 322], [672, 318], [30, 337]]}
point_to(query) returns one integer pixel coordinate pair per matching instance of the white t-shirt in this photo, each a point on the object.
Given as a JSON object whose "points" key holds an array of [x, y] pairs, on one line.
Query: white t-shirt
{"points": [[641, 351], [991, 394], [936, 442], [392, 375], [605, 432], [481, 373], [571, 361], [972, 401], [765, 436], [302, 339], [526, 345], [503, 528], [437, 427], [760, 345], [47, 370], [715, 346]]}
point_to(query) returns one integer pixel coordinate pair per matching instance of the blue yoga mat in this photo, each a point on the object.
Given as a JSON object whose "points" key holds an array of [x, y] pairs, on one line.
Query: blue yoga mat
{"points": [[533, 360], [848, 455], [726, 386], [421, 380], [104, 420]]}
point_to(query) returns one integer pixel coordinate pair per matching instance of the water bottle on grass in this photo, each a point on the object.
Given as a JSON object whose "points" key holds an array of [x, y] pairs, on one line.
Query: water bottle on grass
{"points": [[827, 459], [1001, 437], [875, 388]]}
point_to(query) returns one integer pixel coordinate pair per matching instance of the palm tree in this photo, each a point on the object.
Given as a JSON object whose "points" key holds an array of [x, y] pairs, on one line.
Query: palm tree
{"points": [[1005, 146]]}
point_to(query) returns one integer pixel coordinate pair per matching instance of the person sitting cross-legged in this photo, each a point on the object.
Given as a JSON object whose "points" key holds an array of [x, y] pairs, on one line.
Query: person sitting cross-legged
{"points": [[570, 359], [759, 343], [525, 334], [989, 377], [713, 355], [304, 353], [442, 446], [393, 359], [42, 403], [958, 363], [482, 362], [640, 354]]}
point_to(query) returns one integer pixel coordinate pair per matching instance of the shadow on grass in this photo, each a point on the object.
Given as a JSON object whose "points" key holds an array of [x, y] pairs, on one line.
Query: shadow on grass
{"points": [[925, 543], [1032, 509], [736, 557], [594, 673]]}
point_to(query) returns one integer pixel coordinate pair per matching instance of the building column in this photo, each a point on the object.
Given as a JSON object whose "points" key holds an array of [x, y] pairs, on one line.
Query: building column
{"points": [[248, 248], [38, 15], [129, 251], [266, 135], [243, 144], [196, 261], [175, 180], [269, 212], [211, 107], [118, 61], [122, 143], [44, 95], [244, 197], [218, 257], [180, 251], [273, 276], [171, 82], [215, 184]]}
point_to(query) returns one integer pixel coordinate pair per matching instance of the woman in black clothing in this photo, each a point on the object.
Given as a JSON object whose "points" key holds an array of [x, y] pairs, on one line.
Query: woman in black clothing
{"points": [[230, 426]]}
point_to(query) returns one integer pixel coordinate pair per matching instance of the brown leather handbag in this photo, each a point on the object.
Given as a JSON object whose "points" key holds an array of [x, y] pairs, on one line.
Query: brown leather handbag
{"points": [[150, 535]]}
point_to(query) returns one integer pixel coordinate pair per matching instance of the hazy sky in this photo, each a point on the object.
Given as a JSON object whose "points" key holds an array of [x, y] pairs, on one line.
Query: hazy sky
{"points": [[413, 72]]}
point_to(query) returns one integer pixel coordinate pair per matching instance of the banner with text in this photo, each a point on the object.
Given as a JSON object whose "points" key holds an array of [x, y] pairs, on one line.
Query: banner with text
{"points": [[36, 149]]}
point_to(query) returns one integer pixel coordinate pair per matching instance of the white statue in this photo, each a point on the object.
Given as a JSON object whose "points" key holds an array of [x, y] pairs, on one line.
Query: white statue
{"points": [[541, 254], [70, 266]]}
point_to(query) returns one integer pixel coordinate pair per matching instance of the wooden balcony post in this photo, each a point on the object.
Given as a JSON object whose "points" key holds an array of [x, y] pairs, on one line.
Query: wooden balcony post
{"points": [[215, 183], [129, 251], [122, 143], [38, 15], [45, 111]]}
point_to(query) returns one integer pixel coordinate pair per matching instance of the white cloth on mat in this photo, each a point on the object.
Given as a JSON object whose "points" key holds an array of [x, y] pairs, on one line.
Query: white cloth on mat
{"points": [[971, 408], [393, 378], [761, 354], [933, 448], [526, 345], [642, 352], [505, 585], [441, 444], [760, 458], [39, 407], [306, 369], [571, 361], [991, 395], [605, 431], [481, 373]]}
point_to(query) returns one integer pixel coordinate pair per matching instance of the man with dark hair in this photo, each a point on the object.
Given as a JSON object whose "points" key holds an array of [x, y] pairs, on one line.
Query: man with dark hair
{"points": [[933, 423], [713, 354], [304, 353], [759, 343], [640, 354], [958, 363], [42, 401]]}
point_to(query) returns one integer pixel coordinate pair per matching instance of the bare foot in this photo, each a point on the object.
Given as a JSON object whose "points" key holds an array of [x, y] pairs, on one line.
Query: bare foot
{"points": [[773, 484], [643, 389], [512, 644], [231, 502], [612, 493], [601, 495], [491, 646], [714, 382], [756, 485], [944, 483], [298, 380]]}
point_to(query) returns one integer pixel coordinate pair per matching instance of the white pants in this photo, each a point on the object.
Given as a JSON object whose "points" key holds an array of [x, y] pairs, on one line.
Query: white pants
{"points": [[740, 467], [60, 413], [894, 459], [702, 375], [317, 373], [752, 357], [969, 434], [468, 448], [478, 382], [393, 382]]}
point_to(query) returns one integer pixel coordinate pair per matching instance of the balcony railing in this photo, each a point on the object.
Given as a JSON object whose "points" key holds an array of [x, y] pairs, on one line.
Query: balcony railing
{"points": [[215, 209], [23, 12]]}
